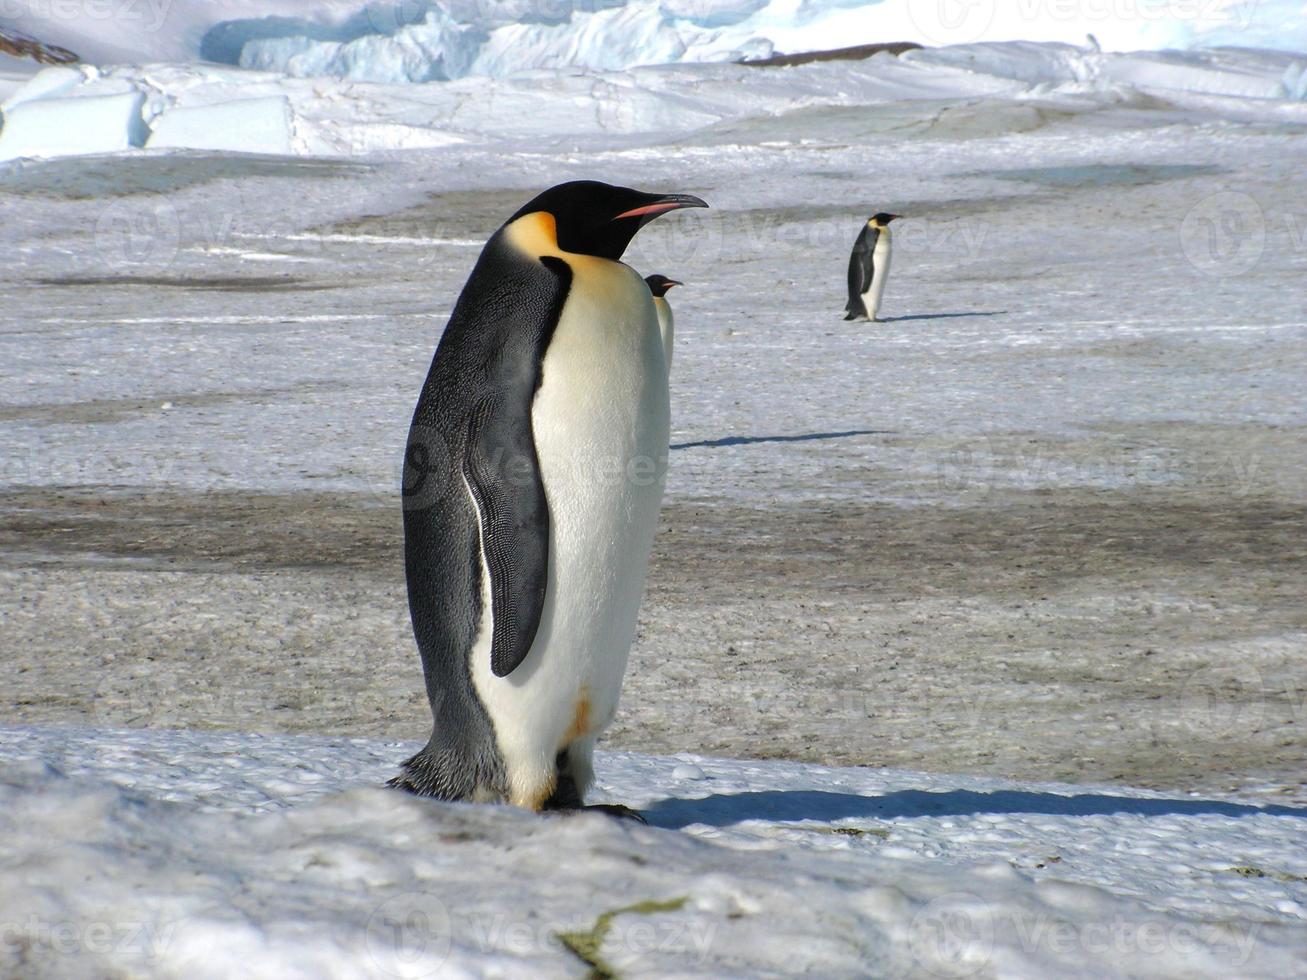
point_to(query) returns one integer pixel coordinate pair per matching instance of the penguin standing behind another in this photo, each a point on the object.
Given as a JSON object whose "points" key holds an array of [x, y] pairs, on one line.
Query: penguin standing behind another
{"points": [[659, 285], [533, 476], [869, 267]]}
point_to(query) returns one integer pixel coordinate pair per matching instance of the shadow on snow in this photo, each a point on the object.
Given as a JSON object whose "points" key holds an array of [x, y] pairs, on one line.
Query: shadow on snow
{"points": [[724, 809], [803, 437], [940, 316]]}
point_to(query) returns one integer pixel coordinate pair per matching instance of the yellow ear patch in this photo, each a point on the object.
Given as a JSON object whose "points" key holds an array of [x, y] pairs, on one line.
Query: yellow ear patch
{"points": [[535, 234]]}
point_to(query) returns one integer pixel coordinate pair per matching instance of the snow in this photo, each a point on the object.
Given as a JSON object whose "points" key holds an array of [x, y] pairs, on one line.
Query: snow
{"points": [[206, 854], [273, 113]]}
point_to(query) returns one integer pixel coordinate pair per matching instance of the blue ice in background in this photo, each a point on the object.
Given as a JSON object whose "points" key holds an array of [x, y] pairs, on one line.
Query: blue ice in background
{"points": [[422, 40]]}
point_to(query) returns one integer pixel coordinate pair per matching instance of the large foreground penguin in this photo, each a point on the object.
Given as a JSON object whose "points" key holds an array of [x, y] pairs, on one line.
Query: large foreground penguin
{"points": [[533, 475]]}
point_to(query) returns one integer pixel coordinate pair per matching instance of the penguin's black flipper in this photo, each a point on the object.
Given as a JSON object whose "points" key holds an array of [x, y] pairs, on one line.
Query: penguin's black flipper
{"points": [[503, 473]]}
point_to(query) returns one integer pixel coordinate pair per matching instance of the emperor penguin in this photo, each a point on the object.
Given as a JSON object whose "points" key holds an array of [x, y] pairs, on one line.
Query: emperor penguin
{"points": [[869, 267], [533, 476], [658, 286]]}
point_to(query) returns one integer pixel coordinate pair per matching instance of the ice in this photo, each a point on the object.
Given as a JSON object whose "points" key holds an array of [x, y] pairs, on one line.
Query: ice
{"points": [[48, 83], [619, 37], [441, 46], [44, 127], [968, 91], [260, 125], [419, 40], [435, 49], [161, 853]]}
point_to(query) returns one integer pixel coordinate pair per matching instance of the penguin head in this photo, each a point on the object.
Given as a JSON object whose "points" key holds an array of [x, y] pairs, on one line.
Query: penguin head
{"points": [[659, 284], [593, 218], [881, 219]]}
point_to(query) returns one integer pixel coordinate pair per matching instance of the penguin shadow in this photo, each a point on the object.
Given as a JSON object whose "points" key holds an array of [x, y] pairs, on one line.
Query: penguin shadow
{"points": [[725, 809], [801, 437], [940, 316]]}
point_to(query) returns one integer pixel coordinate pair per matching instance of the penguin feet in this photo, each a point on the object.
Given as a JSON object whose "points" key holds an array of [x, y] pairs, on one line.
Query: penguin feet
{"points": [[615, 810], [618, 810]]}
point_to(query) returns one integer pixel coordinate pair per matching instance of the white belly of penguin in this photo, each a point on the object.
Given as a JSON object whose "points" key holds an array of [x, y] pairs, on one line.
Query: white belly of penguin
{"points": [[879, 273], [600, 420]]}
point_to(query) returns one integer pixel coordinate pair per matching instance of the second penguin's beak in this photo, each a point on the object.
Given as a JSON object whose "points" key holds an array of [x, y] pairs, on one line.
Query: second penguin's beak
{"points": [[661, 205]]}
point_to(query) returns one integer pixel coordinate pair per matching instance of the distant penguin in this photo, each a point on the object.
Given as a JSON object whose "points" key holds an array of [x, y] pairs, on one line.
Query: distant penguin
{"points": [[659, 285], [533, 476], [869, 267]]}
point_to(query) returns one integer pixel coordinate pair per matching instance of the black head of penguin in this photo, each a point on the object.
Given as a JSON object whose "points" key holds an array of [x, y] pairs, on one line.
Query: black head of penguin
{"points": [[882, 218], [659, 284], [594, 218]]}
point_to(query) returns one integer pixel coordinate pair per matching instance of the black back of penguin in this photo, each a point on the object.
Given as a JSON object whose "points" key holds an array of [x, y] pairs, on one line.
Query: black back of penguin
{"points": [[472, 422]]}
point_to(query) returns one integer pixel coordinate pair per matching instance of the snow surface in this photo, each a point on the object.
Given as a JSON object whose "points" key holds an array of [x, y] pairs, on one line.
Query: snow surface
{"points": [[269, 112], [177, 853]]}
